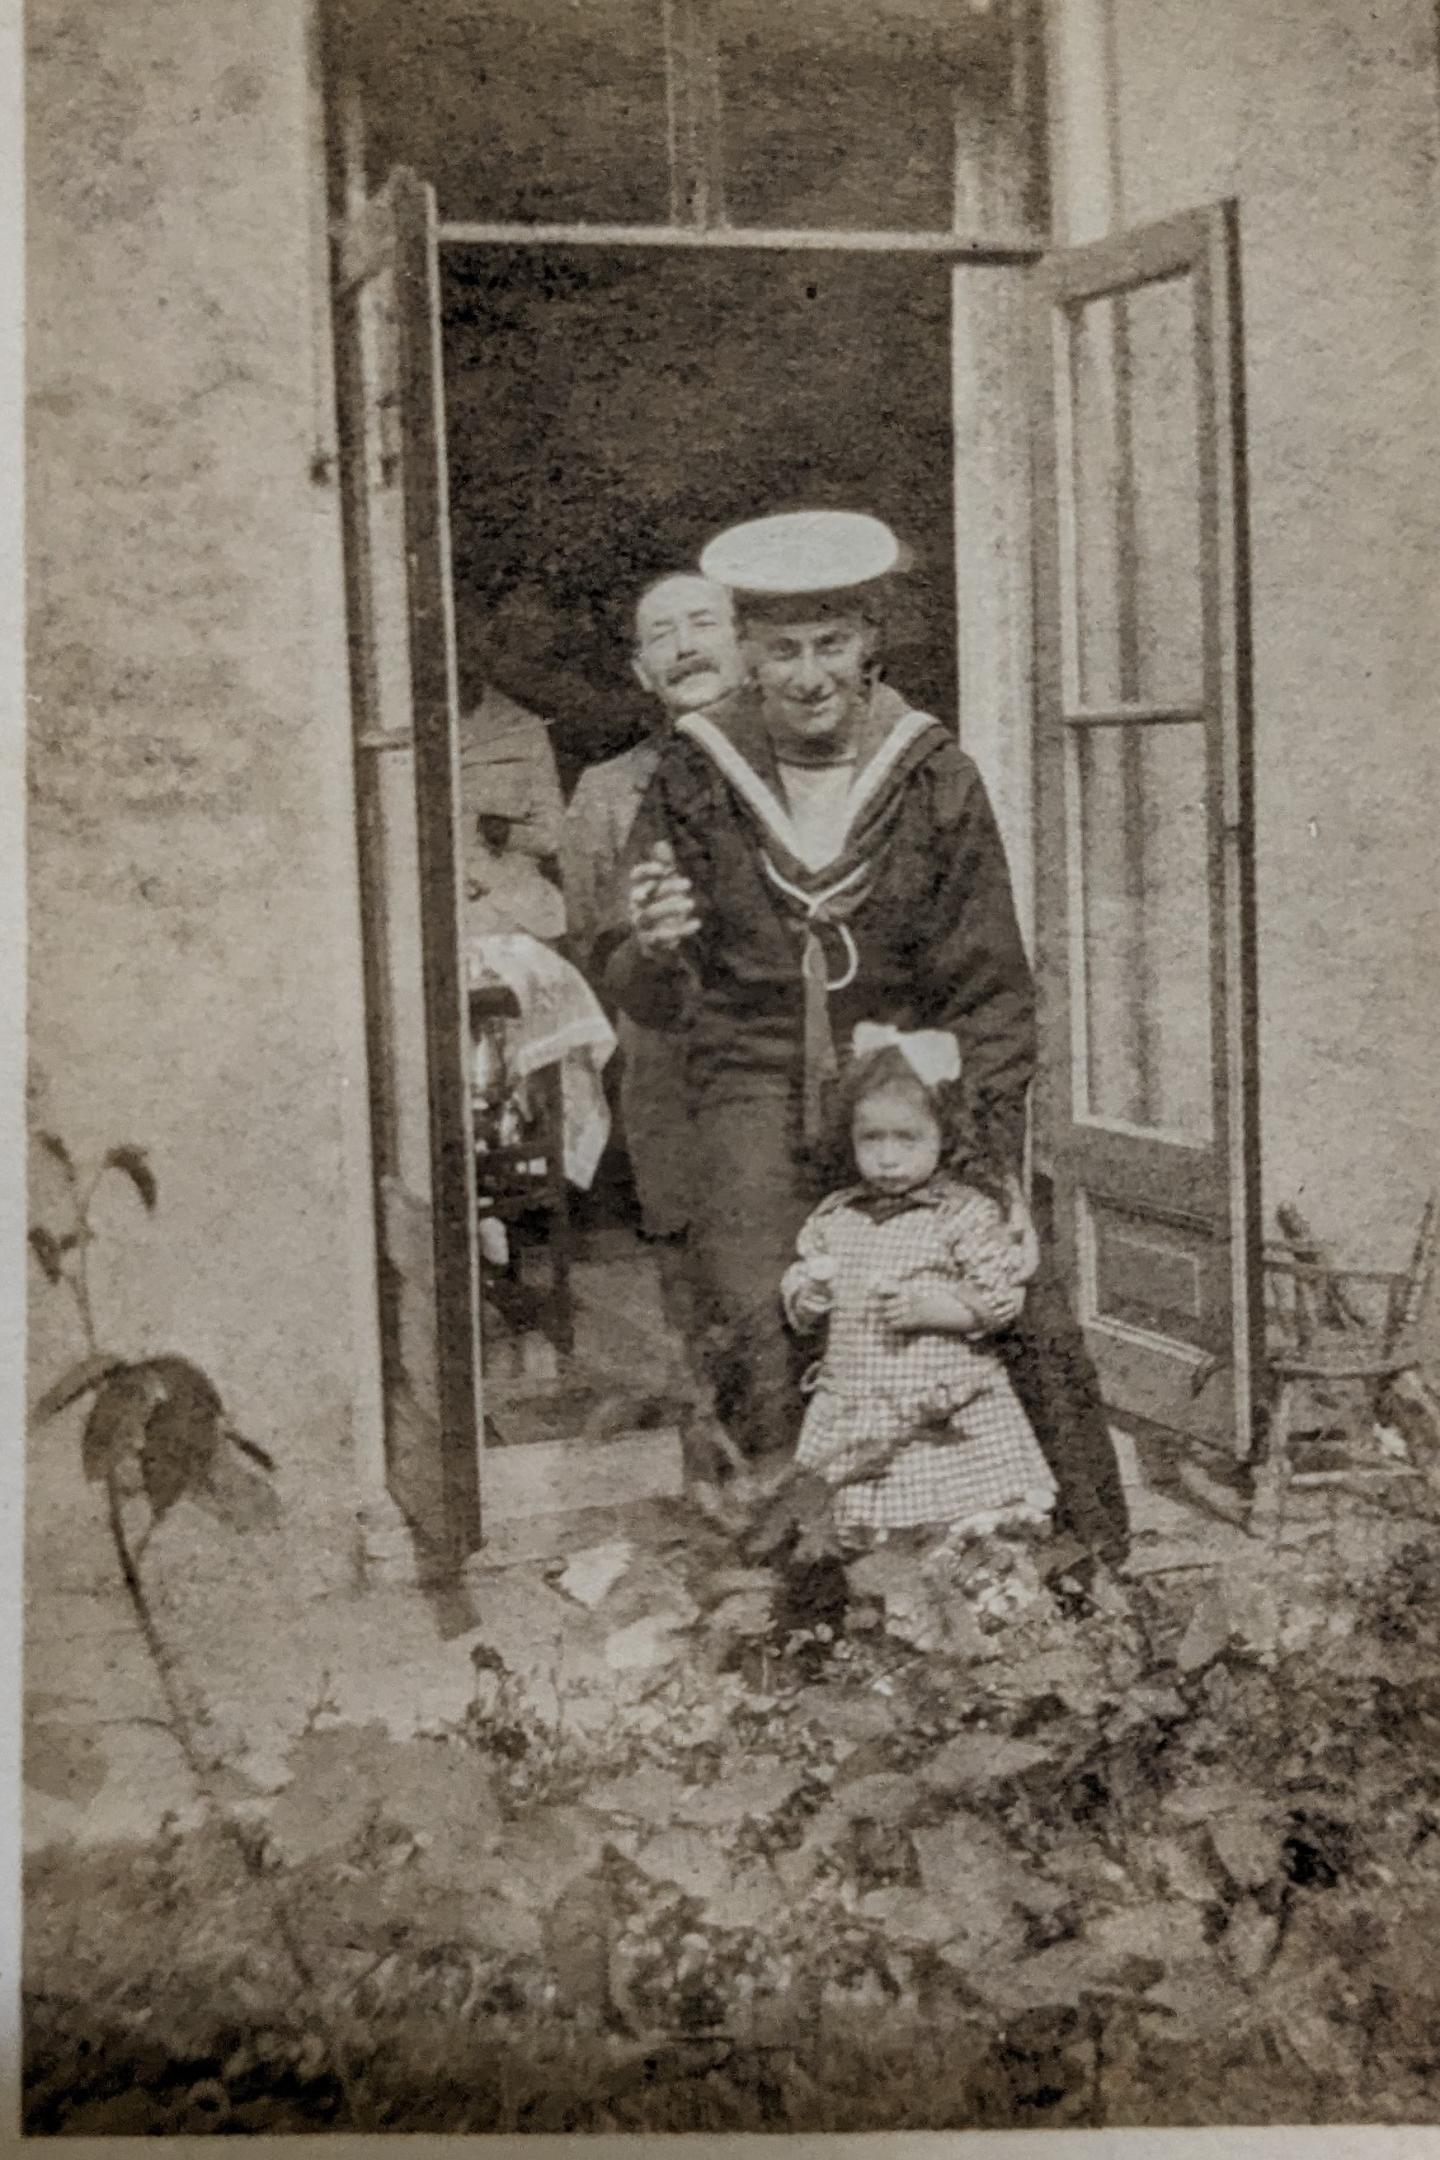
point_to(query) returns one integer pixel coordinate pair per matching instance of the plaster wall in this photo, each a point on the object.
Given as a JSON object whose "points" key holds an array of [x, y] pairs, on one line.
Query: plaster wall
{"points": [[194, 976], [1323, 120]]}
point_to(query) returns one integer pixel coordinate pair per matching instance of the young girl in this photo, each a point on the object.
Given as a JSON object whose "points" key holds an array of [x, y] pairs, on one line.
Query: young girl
{"points": [[912, 1417]]}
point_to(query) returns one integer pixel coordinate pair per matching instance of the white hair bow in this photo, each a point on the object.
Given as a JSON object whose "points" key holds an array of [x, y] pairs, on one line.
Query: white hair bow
{"points": [[932, 1054]]}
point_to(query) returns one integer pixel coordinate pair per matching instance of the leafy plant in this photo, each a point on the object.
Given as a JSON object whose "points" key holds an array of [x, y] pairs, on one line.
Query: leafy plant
{"points": [[157, 1432], [157, 1427]]}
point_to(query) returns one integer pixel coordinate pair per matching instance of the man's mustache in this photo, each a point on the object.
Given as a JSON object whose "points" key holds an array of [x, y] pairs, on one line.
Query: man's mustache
{"points": [[684, 669]]}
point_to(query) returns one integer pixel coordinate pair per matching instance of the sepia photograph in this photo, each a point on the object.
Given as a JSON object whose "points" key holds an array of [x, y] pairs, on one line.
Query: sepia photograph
{"points": [[732, 1342]]}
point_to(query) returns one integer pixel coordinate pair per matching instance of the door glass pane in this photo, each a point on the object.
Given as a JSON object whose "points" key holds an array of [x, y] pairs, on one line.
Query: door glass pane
{"points": [[407, 1144], [1142, 982], [387, 684], [844, 112], [524, 109], [1135, 586]]}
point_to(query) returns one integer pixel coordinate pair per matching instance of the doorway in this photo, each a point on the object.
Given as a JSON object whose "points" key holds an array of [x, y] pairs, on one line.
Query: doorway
{"points": [[606, 413], [619, 394]]}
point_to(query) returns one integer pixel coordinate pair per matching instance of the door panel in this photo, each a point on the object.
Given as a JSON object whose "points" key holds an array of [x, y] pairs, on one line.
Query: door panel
{"points": [[407, 792], [1147, 1098]]}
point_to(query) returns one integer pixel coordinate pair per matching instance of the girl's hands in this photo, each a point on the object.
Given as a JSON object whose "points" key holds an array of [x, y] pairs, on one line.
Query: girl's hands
{"points": [[813, 1290], [918, 1308], [660, 904]]}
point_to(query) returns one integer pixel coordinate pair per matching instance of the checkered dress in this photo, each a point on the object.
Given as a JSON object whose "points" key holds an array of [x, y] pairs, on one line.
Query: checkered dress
{"points": [[965, 1453]]}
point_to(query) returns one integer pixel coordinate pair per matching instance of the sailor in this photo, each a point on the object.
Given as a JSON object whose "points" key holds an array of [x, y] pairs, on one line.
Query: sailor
{"points": [[813, 855]]}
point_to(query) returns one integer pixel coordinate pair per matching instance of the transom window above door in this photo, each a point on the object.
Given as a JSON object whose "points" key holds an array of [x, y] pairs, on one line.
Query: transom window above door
{"points": [[905, 116]]}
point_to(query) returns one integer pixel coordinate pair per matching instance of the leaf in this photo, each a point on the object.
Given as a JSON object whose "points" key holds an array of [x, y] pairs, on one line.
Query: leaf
{"points": [[78, 1381], [649, 1795], [65, 1762], [55, 1146], [1208, 1635], [47, 1250], [854, 1718], [252, 1448], [591, 1574], [746, 1613], [973, 1761], [644, 1644], [330, 1797], [235, 1494], [134, 1163], [881, 1573], [1161, 1932], [967, 1863], [693, 1860], [182, 1431], [1207, 1798], [549, 1849], [1247, 1843], [348, 1778], [745, 1901], [725, 1582], [1251, 1939], [909, 1914], [886, 1796], [757, 1792], [115, 1427]]}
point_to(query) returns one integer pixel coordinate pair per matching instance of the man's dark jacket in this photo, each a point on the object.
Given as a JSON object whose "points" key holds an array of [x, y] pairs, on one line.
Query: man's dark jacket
{"points": [[931, 941]]}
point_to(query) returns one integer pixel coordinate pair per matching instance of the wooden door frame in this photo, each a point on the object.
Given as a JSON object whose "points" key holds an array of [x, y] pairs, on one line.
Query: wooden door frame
{"points": [[439, 1240], [1152, 253], [991, 548]]}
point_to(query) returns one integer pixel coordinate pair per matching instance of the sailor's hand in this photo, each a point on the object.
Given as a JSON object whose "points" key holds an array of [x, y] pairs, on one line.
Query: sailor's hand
{"points": [[661, 903]]}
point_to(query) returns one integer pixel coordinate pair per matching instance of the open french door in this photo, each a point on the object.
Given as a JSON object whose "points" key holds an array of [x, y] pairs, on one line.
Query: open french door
{"points": [[407, 787], [1147, 1102]]}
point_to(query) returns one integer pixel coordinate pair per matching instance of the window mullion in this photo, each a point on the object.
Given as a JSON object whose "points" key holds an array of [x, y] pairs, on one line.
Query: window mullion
{"points": [[692, 85]]}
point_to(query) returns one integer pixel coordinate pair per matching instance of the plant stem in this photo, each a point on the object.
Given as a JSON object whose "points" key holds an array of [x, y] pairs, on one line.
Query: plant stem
{"points": [[80, 1280], [166, 1670], [202, 1768]]}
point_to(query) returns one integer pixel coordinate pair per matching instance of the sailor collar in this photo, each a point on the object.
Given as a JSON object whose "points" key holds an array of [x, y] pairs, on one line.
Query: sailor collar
{"points": [[738, 744]]}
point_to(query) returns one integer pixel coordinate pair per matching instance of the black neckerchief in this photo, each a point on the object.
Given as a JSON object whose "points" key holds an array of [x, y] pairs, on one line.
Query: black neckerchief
{"points": [[880, 1207], [818, 902]]}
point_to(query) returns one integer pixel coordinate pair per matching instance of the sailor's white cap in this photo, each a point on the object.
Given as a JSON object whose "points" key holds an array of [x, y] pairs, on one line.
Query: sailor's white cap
{"points": [[800, 552]]}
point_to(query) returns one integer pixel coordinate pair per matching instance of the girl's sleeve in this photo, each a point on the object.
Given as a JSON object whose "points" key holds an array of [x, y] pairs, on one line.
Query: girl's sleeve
{"points": [[812, 1243], [994, 1254]]}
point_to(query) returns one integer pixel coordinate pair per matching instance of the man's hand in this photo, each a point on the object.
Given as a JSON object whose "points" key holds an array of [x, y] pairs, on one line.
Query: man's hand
{"points": [[661, 903], [918, 1308]]}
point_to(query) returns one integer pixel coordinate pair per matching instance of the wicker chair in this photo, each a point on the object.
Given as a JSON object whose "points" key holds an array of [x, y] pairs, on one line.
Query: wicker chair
{"points": [[1339, 1331]]}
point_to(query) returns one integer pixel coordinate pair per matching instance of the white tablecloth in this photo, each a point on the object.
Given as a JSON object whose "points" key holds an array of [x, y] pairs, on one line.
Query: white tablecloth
{"points": [[561, 1022]]}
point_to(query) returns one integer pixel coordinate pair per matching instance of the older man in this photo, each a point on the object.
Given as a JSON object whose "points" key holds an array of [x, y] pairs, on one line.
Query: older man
{"points": [[814, 855], [686, 655]]}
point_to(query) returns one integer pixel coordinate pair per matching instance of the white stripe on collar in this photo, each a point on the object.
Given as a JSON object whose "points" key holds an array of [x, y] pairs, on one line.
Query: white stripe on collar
{"points": [[743, 778], [762, 798]]}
